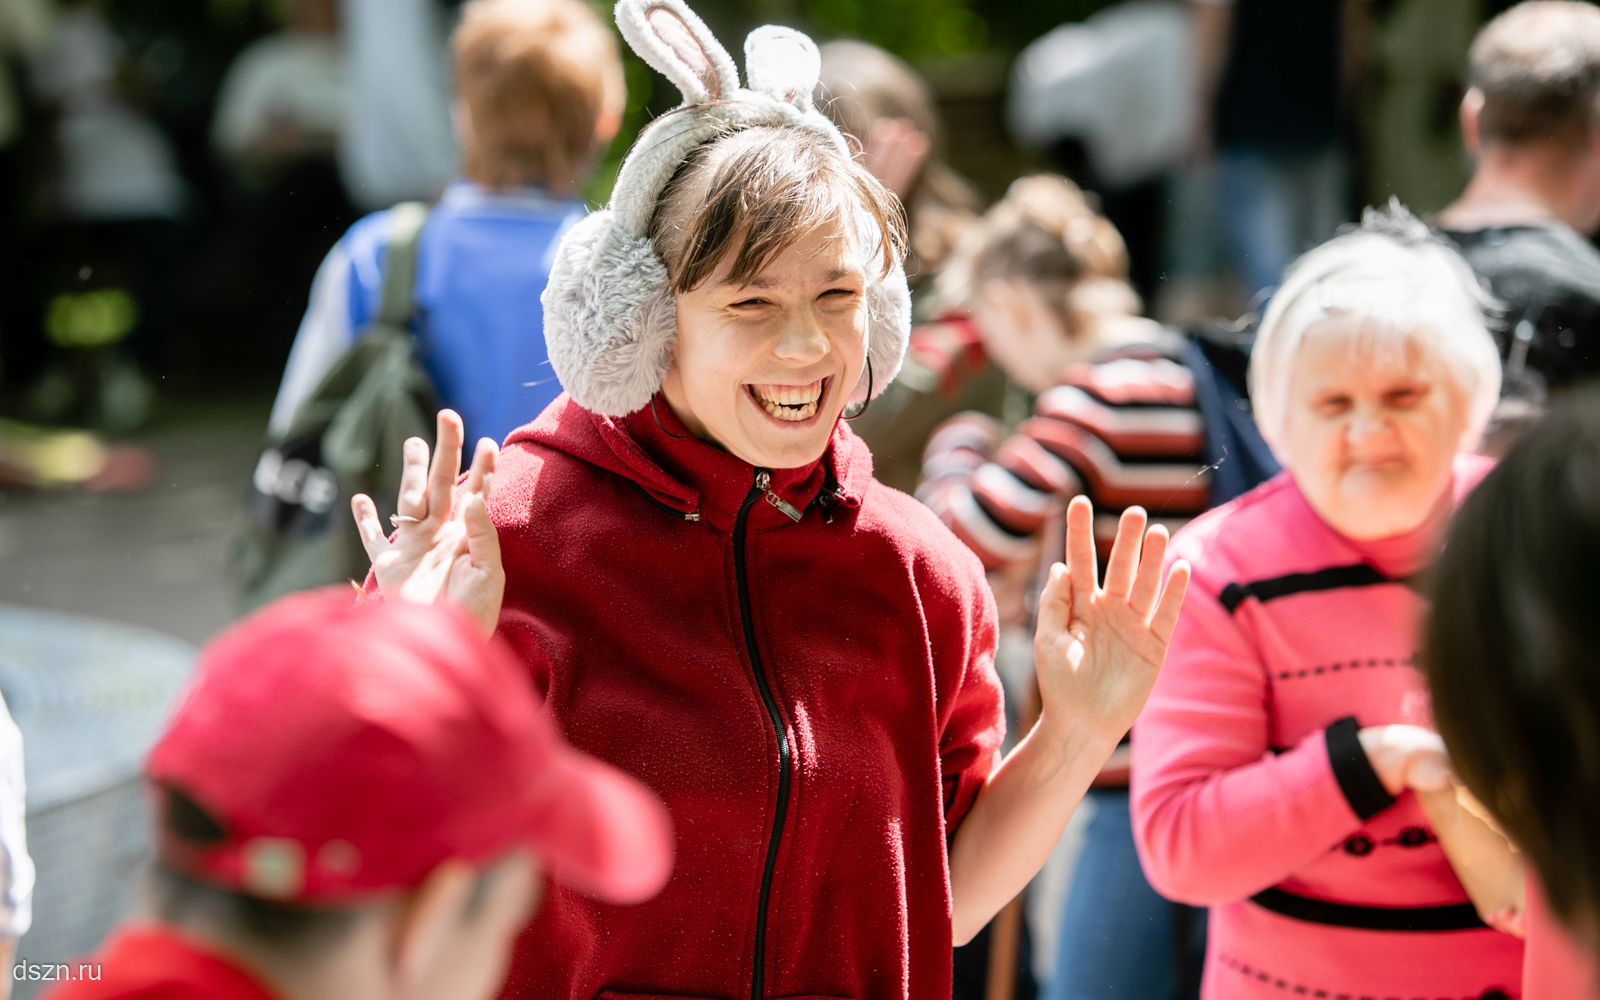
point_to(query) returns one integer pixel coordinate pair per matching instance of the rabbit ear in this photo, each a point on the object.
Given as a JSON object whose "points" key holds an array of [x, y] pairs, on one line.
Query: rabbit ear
{"points": [[783, 64], [672, 38]]}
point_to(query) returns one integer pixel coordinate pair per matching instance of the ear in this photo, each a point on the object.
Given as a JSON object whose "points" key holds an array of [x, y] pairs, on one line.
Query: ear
{"points": [[1471, 114], [673, 40], [783, 64], [425, 918]]}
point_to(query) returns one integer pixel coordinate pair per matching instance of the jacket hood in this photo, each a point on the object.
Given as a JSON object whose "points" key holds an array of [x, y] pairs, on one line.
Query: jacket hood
{"points": [[694, 478]]}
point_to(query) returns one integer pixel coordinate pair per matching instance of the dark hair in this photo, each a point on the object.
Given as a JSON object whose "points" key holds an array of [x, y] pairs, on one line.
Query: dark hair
{"points": [[753, 192], [290, 931], [1538, 67], [1512, 652], [285, 929]]}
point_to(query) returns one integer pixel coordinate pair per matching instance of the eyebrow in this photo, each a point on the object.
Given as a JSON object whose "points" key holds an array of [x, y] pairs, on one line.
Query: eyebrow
{"points": [[762, 281]]}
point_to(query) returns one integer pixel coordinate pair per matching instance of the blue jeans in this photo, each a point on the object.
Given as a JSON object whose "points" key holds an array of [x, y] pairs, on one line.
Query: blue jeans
{"points": [[1119, 939], [1276, 206]]}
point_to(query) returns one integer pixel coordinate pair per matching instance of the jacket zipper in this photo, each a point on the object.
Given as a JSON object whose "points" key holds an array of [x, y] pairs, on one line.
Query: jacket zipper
{"points": [[758, 490]]}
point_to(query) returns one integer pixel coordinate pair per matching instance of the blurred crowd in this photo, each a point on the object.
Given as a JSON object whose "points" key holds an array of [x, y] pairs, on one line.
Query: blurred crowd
{"points": [[1368, 764]]}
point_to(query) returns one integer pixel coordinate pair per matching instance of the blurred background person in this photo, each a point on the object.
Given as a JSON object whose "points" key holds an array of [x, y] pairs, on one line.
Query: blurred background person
{"points": [[887, 109], [114, 207], [1275, 84], [540, 94], [1109, 103], [281, 113], [399, 145], [284, 97], [1276, 729], [1063, 263], [1510, 656], [1105, 403], [1525, 220]]}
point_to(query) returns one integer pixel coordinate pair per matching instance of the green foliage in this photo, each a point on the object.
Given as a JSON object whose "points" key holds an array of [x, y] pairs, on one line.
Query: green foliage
{"points": [[920, 29], [912, 29]]}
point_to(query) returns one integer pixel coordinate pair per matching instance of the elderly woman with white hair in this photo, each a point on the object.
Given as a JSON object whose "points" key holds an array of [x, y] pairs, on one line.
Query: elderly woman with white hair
{"points": [[1277, 763]]}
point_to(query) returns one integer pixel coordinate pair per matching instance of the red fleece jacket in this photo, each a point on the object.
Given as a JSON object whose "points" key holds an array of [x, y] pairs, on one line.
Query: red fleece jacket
{"points": [[812, 693]]}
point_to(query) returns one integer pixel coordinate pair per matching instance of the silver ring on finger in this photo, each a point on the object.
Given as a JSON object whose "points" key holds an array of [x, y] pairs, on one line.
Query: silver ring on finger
{"points": [[399, 519]]}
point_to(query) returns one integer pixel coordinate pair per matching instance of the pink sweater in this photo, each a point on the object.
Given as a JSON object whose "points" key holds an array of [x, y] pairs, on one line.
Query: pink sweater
{"points": [[1250, 792]]}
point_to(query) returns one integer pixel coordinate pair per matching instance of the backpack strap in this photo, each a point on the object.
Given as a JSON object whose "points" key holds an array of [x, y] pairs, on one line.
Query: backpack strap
{"points": [[397, 303]]}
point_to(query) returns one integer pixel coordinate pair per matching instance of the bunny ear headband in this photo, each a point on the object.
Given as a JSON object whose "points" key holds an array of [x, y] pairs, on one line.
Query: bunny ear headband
{"points": [[609, 318]]}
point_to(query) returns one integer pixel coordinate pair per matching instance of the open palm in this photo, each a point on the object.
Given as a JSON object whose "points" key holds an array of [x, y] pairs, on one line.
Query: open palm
{"points": [[444, 543], [1097, 650]]}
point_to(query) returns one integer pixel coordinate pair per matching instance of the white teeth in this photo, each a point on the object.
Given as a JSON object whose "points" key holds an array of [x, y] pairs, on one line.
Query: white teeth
{"points": [[789, 402]]}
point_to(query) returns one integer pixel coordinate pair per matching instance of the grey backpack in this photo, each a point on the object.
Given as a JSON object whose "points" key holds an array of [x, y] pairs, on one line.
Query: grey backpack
{"points": [[346, 438]]}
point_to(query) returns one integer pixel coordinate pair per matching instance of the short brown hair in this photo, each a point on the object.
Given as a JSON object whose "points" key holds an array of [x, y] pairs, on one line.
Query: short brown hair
{"points": [[1046, 232], [535, 76], [755, 192], [1538, 68]]}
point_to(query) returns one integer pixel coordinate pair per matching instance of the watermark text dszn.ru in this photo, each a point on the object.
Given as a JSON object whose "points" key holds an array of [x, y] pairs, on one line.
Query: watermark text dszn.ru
{"points": [[25, 971]]}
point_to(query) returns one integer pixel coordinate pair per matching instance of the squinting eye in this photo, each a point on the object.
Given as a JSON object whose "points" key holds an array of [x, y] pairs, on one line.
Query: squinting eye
{"points": [[1332, 405]]}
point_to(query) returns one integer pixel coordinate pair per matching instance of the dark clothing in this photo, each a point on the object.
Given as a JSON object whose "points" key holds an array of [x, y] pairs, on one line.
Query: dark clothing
{"points": [[1548, 276], [1280, 92]]}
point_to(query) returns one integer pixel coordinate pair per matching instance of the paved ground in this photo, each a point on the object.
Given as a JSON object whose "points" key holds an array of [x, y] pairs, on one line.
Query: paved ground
{"points": [[154, 558]]}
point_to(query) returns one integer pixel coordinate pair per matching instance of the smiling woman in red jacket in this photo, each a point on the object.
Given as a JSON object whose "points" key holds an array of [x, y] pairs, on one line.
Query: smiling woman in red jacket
{"points": [[691, 555]]}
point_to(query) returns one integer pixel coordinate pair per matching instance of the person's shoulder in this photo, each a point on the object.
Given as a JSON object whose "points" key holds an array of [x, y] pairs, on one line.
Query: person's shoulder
{"points": [[1257, 534], [1518, 259], [914, 531]]}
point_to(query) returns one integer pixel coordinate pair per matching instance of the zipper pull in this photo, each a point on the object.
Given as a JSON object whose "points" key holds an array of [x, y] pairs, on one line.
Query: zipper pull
{"points": [[764, 483]]}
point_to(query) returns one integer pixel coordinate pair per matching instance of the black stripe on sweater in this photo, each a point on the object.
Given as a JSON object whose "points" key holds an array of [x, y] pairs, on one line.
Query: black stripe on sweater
{"points": [[1359, 575], [1460, 917]]}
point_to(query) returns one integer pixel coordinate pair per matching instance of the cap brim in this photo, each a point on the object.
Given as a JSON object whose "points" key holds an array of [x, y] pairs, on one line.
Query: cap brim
{"points": [[599, 830]]}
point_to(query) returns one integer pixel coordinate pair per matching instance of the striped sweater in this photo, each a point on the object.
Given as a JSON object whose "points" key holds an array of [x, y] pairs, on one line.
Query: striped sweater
{"points": [[1124, 431]]}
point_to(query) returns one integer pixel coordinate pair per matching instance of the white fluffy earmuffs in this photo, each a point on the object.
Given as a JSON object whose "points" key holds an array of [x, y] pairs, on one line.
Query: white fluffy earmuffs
{"points": [[609, 317]]}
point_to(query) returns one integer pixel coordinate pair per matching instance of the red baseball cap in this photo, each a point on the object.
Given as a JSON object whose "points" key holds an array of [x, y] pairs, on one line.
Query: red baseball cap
{"points": [[344, 748]]}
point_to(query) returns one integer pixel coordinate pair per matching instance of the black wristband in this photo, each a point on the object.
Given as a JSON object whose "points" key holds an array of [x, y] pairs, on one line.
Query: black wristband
{"points": [[1353, 770]]}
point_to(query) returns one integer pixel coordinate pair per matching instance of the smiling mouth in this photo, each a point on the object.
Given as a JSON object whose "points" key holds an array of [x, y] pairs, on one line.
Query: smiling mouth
{"points": [[791, 403]]}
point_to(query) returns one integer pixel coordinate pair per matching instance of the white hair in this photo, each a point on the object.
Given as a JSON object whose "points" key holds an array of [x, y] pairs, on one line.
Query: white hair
{"points": [[1393, 283]]}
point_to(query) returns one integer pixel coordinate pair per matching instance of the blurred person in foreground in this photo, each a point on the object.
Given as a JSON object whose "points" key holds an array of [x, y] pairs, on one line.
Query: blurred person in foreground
{"points": [[1511, 652], [1100, 402], [1274, 765], [16, 866], [540, 92], [361, 800], [1275, 83], [1531, 121], [887, 111]]}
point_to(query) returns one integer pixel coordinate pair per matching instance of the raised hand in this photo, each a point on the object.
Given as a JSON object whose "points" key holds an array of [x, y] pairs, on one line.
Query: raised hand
{"points": [[443, 544], [1097, 650]]}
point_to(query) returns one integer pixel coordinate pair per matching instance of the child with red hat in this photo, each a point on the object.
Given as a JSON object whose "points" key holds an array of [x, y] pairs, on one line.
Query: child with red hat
{"points": [[358, 801]]}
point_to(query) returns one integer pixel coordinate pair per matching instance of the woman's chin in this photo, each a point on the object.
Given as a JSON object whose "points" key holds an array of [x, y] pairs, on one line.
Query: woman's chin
{"points": [[1368, 515]]}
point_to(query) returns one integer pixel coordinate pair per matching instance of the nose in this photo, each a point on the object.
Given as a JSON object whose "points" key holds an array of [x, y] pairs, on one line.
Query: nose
{"points": [[802, 340], [1367, 424]]}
